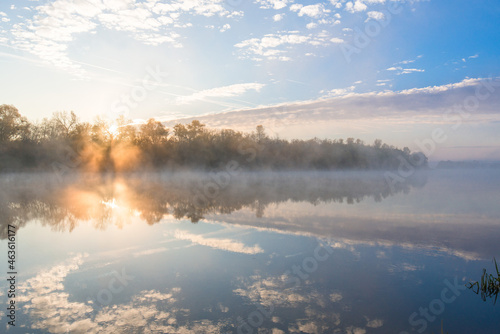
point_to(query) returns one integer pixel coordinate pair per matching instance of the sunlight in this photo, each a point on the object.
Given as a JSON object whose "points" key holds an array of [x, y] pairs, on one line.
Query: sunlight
{"points": [[113, 130], [111, 204]]}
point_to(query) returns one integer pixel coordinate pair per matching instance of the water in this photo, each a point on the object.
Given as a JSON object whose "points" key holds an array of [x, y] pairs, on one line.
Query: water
{"points": [[250, 253]]}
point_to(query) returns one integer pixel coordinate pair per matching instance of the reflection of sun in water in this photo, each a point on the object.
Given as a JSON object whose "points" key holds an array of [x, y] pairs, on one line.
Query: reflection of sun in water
{"points": [[110, 204], [113, 129]]}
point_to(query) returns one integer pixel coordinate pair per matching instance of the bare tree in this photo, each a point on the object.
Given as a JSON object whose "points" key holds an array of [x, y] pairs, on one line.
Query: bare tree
{"points": [[65, 122]]}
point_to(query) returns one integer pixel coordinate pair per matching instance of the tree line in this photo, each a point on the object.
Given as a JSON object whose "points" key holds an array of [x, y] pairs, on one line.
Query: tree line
{"points": [[63, 142]]}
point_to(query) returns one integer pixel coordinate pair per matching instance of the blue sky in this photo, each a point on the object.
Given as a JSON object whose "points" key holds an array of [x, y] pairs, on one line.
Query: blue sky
{"points": [[411, 60]]}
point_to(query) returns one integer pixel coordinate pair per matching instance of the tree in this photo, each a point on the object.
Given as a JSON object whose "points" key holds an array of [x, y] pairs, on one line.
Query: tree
{"points": [[190, 131], [126, 130], [65, 123], [153, 132], [260, 134], [100, 131], [195, 129], [13, 126], [125, 146]]}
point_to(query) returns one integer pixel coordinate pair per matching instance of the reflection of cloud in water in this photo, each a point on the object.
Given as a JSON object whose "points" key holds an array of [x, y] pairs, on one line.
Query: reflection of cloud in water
{"points": [[335, 297], [405, 267], [355, 330], [277, 293], [49, 306], [149, 311], [428, 249], [351, 232], [322, 312], [222, 244], [374, 323], [274, 291], [54, 310], [150, 251]]}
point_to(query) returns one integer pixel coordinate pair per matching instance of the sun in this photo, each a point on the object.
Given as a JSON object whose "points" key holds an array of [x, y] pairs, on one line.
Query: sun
{"points": [[113, 130]]}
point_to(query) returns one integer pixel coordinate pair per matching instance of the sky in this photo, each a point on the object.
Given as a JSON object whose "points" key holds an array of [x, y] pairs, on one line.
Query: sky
{"points": [[422, 74]]}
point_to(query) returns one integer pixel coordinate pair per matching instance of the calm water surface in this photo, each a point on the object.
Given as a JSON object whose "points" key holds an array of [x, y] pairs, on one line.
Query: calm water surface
{"points": [[252, 253]]}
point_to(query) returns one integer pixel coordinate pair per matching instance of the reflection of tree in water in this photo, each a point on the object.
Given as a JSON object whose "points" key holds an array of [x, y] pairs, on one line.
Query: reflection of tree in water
{"points": [[106, 200]]}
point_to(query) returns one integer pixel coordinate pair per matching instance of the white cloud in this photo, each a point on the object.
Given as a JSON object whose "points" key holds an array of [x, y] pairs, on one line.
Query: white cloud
{"points": [[375, 15], [340, 91], [311, 25], [355, 7], [225, 27], [388, 106], [404, 62], [57, 23], [411, 70], [336, 3], [206, 8], [408, 61], [274, 46], [472, 82], [314, 11], [225, 91], [402, 70], [266, 46], [278, 17], [275, 4], [337, 40], [222, 244]]}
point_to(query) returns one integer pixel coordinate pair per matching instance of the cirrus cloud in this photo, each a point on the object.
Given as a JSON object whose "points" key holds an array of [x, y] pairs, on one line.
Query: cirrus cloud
{"points": [[54, 25]]}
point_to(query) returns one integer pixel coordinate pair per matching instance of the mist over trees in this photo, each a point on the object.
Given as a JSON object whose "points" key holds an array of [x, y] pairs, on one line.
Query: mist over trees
{"points": [[64, 143]]}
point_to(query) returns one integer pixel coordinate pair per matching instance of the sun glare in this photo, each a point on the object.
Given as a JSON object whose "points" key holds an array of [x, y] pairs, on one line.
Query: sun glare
{"points": [[110, 204], [113, 130]]}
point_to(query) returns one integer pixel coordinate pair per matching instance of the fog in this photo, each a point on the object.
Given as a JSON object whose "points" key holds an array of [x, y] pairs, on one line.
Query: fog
{"points": [[353, 207], [62, 202]]}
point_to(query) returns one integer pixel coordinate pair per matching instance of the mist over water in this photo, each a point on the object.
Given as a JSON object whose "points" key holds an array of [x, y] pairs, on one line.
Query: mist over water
{"points": [[92, 197], [290, 252]]}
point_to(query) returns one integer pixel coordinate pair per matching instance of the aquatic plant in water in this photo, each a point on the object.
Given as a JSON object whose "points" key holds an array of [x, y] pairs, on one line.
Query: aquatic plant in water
{"points": [[489, 285]]}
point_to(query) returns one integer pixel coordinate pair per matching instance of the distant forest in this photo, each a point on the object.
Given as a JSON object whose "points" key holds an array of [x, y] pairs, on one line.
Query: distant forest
{"points": [[64, 143]]}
